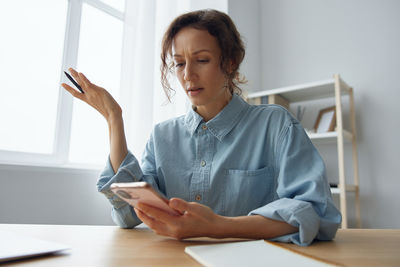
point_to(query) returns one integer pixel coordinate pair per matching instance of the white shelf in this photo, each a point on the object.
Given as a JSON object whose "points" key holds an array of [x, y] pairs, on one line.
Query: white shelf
{"points": [[306, 91], [329, 137], [331, 88], [349, 188]]}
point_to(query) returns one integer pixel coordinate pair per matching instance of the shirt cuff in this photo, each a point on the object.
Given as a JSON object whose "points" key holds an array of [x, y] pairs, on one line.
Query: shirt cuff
{"points": [[125, 217], [129, 171], [298, 213]]}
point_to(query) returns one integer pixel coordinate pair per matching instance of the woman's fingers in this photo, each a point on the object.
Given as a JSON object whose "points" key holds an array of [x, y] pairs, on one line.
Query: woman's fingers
{"points": [[75, 74], [191, 207], [72, 91], [179, 204], [197, 219], [85, 82], [157, 226], [83, 77], [82, 80], [94, 95], [153, 212]]}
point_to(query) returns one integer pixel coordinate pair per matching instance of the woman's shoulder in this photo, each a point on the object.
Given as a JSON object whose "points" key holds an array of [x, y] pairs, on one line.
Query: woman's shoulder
{"points": [[171, 124], [274, 118], [271, 112]]}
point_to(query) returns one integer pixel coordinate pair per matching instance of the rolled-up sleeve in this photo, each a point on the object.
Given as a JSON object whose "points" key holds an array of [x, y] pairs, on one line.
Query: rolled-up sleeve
{"points": [[129, 171], [304, 197]]}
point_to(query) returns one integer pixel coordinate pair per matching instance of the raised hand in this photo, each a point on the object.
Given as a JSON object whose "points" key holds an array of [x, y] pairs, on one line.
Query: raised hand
{"points": [[104, 103], [94, 95]]}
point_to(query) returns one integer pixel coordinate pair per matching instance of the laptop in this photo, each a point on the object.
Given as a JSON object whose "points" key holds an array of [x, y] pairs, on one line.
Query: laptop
{"points": [[16, 246]]}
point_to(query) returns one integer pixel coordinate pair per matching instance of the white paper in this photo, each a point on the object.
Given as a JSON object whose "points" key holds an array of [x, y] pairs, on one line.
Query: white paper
{"points": [[249, 253]]}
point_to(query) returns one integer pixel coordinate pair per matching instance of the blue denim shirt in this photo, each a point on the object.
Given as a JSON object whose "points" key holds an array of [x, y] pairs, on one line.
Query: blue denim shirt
{"points": [[247, 160]]}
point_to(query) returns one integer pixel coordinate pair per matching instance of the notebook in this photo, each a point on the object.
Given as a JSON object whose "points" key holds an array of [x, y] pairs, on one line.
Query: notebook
{"points": [[249, 253], [15, 246]]}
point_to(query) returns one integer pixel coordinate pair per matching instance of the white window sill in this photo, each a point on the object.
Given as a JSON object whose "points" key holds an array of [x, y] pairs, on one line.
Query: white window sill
{"points": [[48, 167]]}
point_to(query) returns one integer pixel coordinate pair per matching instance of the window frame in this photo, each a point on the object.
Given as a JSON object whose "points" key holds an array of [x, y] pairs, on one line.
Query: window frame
{"points": [[62, 131]]}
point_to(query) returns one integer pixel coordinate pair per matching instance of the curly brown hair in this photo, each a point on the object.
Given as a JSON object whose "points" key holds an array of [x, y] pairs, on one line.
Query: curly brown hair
{"points": [[219, 25]]}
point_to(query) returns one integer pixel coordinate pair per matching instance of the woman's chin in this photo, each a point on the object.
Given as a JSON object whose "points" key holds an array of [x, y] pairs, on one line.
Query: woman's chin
{"points": [[196, 101]]}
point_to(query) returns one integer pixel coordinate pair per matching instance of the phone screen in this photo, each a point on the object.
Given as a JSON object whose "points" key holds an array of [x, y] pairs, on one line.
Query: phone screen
{"points": [[136, 192]]}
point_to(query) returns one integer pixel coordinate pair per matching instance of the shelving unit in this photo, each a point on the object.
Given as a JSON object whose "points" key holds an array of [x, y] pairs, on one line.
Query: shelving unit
{"points": [[331, 88]]}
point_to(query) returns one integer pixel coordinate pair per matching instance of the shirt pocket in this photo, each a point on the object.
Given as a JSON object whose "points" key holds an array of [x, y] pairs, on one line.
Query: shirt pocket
{"points": [[247, 190]]}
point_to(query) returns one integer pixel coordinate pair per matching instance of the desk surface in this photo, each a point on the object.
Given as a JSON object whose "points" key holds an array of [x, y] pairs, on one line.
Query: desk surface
{"points": [[112, 246]]}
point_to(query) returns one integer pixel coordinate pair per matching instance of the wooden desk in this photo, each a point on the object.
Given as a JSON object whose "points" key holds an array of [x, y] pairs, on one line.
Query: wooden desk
{"points": [[112, 246]]}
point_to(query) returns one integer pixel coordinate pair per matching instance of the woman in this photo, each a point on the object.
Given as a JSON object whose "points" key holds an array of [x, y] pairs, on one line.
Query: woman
{"points": [[232, 169]]}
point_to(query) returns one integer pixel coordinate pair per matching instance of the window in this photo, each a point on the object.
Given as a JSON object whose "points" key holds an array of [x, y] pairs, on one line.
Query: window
{"points": [[117, 4], [99, 57], [30, 73], [40, 122]]}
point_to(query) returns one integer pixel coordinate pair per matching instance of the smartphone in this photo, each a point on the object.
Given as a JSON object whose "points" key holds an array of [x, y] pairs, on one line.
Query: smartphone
{"points": [[142, 192], [74, 82]]}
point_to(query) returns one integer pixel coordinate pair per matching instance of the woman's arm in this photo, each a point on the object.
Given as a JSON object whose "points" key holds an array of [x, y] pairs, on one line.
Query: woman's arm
{"points": [[105, 104], [199, 220], [118, 147], [255, 226], [122, 166]]}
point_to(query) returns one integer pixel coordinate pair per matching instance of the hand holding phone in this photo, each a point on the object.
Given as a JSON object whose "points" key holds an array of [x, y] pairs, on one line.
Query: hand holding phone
{"points": [[142, 192]]}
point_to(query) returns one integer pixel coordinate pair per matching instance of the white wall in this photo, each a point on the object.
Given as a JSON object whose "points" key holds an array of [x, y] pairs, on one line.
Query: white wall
{"points": [[310, 40]]}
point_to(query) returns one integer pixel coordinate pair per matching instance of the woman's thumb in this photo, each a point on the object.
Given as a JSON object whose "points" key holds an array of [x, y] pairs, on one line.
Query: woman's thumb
{"points": [[179, 204]]}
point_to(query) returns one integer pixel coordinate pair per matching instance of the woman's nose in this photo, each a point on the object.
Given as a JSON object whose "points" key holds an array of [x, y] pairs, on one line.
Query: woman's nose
{"points": [[189, 73]]}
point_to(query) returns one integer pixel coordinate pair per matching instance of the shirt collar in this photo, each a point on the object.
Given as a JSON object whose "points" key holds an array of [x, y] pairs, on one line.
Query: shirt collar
{"points": [[223, 122]]}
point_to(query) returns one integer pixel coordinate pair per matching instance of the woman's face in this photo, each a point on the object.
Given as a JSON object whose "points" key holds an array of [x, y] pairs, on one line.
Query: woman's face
{"points": [[197, 58]]}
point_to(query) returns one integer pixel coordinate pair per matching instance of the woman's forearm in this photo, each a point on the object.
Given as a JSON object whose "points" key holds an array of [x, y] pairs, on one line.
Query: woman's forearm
{"points": [[118, 147], [255, 226]]}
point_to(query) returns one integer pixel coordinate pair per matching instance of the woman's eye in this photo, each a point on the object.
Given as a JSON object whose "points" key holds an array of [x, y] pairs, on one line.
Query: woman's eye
{"points": [[203, 60], [178, 65]]}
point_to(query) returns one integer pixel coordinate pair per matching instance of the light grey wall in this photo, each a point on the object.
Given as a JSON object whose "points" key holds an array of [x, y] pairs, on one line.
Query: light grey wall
{"points": [[51, 196], [310, 40], [246, 16]]}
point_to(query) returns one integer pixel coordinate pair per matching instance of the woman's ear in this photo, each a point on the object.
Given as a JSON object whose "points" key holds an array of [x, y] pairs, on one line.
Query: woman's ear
{"points": [[231, 67]]}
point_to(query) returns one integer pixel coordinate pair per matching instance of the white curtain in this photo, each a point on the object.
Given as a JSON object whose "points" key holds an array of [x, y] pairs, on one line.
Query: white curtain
{"points": [[142, 98]]}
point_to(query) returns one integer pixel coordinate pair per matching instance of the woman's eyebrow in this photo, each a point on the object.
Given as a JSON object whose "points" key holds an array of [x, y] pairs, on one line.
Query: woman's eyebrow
{"points": [[194, 53], [201, 50]]}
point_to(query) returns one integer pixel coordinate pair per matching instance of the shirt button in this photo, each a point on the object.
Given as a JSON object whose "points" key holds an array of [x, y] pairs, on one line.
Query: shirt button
{"points": [[204, 127], [203, 163], [198, 197]]}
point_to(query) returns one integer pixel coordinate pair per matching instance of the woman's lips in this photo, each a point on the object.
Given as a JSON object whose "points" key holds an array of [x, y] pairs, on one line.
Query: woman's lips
{"points": [[194, 91]]}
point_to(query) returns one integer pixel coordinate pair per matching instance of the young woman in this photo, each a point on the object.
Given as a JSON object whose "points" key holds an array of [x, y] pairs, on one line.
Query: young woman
{"points": [[232, 169]]}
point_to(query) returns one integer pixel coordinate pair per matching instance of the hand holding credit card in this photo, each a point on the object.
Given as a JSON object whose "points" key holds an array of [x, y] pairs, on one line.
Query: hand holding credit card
{"points": [[94, 95], [74, 82]]}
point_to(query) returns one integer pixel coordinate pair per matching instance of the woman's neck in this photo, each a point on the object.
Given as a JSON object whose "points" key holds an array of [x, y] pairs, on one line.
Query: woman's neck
{"points": [[211, 110]]}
